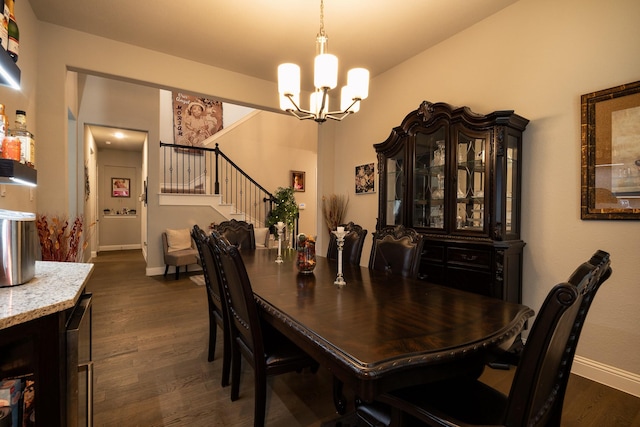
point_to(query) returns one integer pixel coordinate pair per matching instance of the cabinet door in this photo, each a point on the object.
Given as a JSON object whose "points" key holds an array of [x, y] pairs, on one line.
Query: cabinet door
{"points": [[512, 185], [429, 181], [395, 188], [471, 169]]}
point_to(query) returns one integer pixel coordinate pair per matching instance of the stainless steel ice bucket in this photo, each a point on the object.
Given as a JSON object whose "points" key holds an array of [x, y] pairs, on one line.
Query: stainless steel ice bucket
{"points": [[18, 247]]}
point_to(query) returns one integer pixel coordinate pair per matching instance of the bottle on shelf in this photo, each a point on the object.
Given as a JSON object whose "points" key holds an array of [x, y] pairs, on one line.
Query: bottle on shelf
{"points": [[14, 34], [10, 145], [10, 148], [27, 142], [4, 123], [4, 28]]}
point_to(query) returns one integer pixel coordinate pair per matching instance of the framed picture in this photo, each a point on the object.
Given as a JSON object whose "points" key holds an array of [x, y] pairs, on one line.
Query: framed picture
{"points": [[610, 130], [195, 119], [365, 179], [297, 180], [120, 187]]}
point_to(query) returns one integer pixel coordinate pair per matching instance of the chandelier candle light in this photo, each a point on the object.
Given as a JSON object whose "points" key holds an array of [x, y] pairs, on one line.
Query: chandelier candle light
{"points": [[325, 79], [280, 228], [340, 233]]}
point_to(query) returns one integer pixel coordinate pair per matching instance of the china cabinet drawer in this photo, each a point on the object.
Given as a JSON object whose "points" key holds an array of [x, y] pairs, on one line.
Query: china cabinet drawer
{"points": [[433, 253], [472, 257]]}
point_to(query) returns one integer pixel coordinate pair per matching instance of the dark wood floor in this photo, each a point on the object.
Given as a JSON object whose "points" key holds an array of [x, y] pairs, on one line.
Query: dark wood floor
{"points": [[150, 357]]}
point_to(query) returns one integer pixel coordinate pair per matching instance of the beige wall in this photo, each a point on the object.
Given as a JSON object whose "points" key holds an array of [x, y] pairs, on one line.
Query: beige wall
{"points": [[536, 57]]}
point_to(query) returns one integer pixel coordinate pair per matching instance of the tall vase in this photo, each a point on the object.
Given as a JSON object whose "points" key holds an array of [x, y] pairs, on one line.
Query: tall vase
{"points": [[306, 260]]}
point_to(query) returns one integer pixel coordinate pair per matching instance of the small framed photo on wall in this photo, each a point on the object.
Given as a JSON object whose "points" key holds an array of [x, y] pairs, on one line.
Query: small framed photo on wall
{"points": [[120, 187], [365, 179], [297, 180]]}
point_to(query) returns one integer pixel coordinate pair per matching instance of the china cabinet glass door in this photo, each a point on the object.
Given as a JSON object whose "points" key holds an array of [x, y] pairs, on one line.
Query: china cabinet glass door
{"points": [[511, 184], [471, 169], [395, 176], [429, 179]]}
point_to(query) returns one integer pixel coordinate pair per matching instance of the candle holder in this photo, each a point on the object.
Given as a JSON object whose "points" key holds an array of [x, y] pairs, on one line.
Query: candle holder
{"points": [[280, 229], [340, 233]]}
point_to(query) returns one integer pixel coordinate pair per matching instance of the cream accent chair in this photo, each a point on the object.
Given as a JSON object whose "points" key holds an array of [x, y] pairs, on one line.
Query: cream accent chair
{"points": [[179, 250]]}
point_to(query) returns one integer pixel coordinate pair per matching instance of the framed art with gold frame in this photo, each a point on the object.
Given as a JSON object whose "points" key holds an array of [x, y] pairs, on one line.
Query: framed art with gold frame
{"points": [[610, 131]]}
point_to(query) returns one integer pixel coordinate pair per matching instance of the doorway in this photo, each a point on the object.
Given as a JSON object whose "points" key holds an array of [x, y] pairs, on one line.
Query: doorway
{"points": [[120, 174]]}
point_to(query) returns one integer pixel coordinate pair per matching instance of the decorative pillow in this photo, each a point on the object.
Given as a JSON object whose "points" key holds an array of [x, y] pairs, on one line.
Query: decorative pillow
{"points": [[261, 236], [178, 239]]}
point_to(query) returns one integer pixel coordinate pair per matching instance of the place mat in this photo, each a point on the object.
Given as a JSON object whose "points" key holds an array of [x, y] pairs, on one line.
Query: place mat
{"points": [[348, 420], [198, 279]]}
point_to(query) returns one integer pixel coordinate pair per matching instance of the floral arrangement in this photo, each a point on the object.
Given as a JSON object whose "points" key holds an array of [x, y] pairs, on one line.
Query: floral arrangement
{"points": [[334, 209], [59, 241]]}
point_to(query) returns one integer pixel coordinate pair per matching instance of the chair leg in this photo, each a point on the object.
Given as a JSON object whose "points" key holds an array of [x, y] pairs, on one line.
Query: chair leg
{"points": [[226, 357], [260, 408], [213, 332], [235, 374], [177, 272], [166, 269]]}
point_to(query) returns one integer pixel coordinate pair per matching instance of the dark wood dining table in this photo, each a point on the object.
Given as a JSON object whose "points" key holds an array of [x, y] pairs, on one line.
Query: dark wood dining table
{"points": [[379, 331]]}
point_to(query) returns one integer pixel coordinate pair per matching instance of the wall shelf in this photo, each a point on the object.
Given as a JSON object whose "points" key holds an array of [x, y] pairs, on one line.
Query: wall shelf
{"points": [[9, 71], [16, 173]]}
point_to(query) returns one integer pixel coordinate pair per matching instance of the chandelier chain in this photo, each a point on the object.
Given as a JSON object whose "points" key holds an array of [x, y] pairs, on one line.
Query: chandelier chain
{"points": [[322, 18]]}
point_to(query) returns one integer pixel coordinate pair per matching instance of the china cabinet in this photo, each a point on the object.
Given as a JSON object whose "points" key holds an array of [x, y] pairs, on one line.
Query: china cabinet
{"points": [[455, 176]]}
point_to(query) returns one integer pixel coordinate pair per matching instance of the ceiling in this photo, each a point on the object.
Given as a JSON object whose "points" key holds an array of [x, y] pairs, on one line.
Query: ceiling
{"points": [[108, 138], [253, 37]]}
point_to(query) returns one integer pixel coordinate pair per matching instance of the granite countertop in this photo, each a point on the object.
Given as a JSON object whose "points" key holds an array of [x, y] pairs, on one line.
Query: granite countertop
{"points": [[55, 287]]}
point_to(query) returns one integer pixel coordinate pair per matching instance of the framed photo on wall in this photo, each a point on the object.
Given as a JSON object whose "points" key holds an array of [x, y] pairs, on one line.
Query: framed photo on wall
{"points": [[120, 187], [297, 180], [611, 153], [365, 179]]}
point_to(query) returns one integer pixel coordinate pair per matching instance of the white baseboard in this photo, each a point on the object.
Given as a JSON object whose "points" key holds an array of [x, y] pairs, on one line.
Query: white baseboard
{"points": [[627, 382], [120, 247]]}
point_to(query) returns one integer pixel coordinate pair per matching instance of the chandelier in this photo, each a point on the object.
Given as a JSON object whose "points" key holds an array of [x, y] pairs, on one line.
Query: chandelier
{"points": [[325, 79]]}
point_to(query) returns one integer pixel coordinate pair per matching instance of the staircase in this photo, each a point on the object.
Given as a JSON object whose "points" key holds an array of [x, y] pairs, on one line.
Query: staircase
{"points": [[201, 176]]}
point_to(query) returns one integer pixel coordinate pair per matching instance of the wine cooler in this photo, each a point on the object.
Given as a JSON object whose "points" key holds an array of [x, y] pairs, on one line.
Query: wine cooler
{"points": [[80, 365]]}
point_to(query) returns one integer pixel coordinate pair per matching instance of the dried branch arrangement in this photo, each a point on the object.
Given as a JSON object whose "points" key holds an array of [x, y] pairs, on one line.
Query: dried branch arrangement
{"points": [[334, 208], [58, 241]]}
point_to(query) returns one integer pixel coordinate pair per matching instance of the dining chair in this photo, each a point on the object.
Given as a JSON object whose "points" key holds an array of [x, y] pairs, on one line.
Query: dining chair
{"points": [[216, 305], [539, 385], [238, 233], [262, 346], [353, 243], [397, 250]]}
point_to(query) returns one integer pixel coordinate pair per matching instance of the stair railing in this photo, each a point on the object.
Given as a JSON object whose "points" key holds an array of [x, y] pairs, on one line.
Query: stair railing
{"points": [[187, 170]]}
